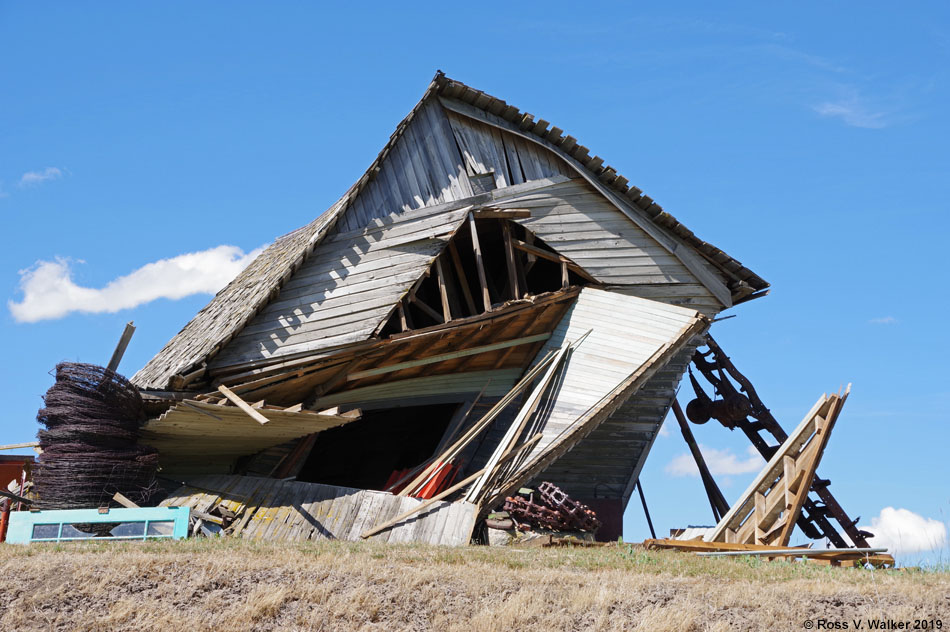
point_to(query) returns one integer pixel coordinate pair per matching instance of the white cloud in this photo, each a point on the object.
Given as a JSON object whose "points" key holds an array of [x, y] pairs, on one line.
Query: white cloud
{"points": [[853, 111], [38, 177], [720, 462], [664, 429], [886, 320], [902, 531], [49, 291]]}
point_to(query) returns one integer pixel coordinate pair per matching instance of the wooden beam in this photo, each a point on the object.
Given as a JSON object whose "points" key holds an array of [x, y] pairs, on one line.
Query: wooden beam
{"points": [[443, 292], [479, 264], [717, 501], [479, 426], [240, 403], [517, 425], [443, 357], [540, 252], [463, 278], [529, 239], [418, 302], [125, 502], [497, 213], [409, 322], [403, 323], [823, 433], [555, 257], [17, 446], [512, 264], [121, 346]]}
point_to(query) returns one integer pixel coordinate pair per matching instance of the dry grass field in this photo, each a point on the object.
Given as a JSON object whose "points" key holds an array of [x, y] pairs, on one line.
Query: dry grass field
{"points": [[236, 586]]}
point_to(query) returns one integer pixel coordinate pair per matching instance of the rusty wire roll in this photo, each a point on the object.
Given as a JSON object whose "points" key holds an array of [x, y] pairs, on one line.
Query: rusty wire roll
{"points": [[92, 417]]}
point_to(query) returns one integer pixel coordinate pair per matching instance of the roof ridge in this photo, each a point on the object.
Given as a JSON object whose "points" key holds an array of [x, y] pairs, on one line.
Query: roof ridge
{"points": [[454, 89]]}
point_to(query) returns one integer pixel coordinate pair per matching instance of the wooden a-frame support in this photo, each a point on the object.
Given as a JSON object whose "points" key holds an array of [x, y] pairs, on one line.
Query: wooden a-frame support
{"points": [[766, 513]]}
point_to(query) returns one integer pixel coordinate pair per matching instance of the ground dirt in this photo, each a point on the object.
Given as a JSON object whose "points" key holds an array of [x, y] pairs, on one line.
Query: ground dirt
{"points": [[237, 586]]}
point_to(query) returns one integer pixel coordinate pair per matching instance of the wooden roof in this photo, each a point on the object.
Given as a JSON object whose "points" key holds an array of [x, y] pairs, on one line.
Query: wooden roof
{"points": [[187, 355]]}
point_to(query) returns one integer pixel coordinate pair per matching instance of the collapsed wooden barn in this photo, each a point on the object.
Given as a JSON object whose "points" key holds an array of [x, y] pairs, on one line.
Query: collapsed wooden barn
{"points": [[487, 306]]}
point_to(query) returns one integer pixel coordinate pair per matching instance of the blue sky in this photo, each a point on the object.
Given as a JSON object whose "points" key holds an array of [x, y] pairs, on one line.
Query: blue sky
{"points": [[810, 143]]}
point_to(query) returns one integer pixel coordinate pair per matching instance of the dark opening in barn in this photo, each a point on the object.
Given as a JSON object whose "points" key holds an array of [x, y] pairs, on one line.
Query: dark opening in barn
{"points": [[365, 453]]}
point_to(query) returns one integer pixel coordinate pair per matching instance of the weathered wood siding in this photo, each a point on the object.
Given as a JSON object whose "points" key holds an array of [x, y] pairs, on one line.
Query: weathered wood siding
{"points": [[346, 288], [579, 223], [625, 332], [291, 511], [509, 159], [607, 462], [423, 168]]}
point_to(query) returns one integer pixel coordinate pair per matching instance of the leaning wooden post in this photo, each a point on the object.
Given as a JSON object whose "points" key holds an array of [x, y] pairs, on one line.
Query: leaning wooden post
{"points": [[120, 348]]}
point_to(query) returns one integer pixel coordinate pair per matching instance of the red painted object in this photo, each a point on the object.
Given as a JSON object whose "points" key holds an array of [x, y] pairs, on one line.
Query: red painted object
{"points": [[395, 476], [441, 481], [443, 477], [13, 468]]}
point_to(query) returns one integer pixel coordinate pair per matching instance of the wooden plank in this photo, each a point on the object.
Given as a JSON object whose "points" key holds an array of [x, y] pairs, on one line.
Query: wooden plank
{"points": [[240, 403], [415, 300], [17, 446], [403, 321], [121, 346], [513, 281], [125, 502], [447, 356], [479, 265], [443, 293], [495, 213], [449, 454], [517, 425], [462, 278], [809, 467]]}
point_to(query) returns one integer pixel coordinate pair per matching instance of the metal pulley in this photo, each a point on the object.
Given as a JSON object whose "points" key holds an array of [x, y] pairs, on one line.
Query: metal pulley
{"points": [[728, 411]]}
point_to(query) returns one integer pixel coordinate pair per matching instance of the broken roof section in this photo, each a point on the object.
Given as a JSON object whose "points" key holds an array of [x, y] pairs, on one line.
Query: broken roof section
{"points": [[431, 160], [195, 437]]}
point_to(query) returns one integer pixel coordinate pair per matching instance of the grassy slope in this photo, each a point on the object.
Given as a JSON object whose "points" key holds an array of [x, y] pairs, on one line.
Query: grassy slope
{"points": [[236, 586]]}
